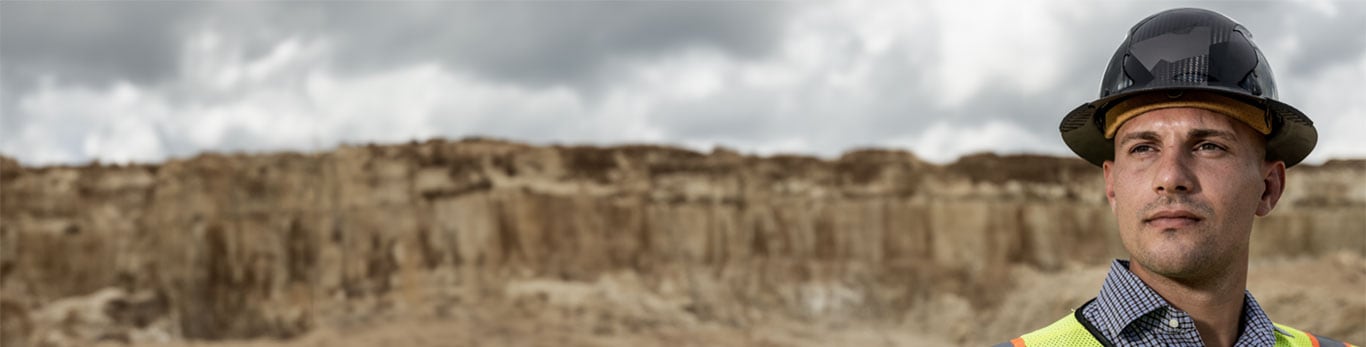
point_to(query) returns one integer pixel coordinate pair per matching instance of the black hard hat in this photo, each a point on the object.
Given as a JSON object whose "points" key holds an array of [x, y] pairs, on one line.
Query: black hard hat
{"points": [[1183, 52]]}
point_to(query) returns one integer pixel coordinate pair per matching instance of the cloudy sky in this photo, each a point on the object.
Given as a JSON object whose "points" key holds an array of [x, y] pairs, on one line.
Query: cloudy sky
{"points": [[148, 81]]}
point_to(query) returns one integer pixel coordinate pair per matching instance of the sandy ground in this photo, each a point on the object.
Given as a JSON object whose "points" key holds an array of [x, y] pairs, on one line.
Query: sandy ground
{"points": [[473, 331], [1326, 295]]}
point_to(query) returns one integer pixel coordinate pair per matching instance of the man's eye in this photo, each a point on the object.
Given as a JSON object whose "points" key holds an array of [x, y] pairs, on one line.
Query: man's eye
{"points": [[1209, 147], [1141, 149]]}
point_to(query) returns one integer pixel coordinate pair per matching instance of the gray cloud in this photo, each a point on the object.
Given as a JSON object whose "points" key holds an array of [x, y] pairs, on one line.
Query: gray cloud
{"points": [[95, 42], [580, 45], [577, 44], [907, 96], [530, 43], [590, 52]]}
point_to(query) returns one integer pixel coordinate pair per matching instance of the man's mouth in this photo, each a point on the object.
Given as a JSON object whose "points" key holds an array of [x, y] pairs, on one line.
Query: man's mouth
{"points": [[1172, 219]]}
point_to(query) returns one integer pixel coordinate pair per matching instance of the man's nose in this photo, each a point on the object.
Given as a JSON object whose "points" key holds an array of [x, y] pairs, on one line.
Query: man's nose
{"points": [[1174, 174]]}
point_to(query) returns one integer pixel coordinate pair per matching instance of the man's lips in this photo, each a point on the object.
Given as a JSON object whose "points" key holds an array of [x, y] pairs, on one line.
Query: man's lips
{"points": [[1172, 219]]}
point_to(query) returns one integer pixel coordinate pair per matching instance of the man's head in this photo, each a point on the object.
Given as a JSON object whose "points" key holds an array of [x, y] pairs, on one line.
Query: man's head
{"points": [[1185, 185], [1192, 140]]}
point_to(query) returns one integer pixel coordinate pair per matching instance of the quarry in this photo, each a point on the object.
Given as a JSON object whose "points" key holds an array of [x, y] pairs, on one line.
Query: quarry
{"points": [[483, 242]]}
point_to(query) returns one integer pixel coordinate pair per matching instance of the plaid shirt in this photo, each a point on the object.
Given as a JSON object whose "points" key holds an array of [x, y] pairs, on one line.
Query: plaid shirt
{"points": [[1129, 313]]}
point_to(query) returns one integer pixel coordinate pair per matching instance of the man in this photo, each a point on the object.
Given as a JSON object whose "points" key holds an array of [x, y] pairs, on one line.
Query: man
{"points": [[1193, 144]]}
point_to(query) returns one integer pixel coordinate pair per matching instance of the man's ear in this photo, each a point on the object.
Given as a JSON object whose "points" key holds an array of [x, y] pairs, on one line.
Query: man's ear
{"points": [[1109, 184], [1273, 181]]}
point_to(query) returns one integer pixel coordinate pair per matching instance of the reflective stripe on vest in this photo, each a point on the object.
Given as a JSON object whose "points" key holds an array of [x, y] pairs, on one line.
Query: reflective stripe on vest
{"points": [[1301, 338], [1069, 331]]}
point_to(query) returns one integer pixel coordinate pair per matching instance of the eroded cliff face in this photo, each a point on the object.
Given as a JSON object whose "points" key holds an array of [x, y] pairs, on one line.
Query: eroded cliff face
{"points": [[237, 246]]}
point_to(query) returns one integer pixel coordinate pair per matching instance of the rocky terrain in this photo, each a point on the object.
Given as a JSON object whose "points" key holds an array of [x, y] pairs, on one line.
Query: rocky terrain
{"points": [[491, 243]]}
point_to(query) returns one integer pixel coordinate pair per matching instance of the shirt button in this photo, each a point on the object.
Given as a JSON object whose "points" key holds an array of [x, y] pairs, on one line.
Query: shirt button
{"points": [[1173, 323]]}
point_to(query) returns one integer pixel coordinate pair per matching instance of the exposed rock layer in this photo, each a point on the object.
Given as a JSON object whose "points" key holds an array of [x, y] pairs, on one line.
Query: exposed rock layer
{"points": [[238, 246]]}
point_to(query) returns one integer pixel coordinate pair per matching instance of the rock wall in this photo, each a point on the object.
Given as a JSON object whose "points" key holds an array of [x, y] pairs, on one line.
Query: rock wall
{"points": [[240, 246]]}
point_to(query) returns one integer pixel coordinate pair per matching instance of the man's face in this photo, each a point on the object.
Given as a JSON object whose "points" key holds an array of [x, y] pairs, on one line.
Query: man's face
{"points": [[1184, 187]]}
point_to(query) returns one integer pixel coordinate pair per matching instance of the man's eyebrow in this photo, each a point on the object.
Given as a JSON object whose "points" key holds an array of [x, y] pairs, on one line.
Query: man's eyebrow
{"points": [[1140, 135], [1198, 133], [1208, 133]]}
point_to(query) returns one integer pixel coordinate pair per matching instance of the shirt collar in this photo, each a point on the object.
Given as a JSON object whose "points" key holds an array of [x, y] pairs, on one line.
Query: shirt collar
{"points": [[1124, 298], [1254, 317]]}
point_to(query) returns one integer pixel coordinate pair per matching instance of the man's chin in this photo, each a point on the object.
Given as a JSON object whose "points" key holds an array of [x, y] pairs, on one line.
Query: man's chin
{"points": [[1175, 265]]}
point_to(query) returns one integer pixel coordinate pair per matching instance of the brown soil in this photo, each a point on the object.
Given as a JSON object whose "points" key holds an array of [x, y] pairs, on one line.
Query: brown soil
{"points": [[1339, 306]]}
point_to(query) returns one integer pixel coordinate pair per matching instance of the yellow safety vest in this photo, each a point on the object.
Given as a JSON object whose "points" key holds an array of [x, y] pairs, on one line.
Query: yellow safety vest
{"points": [[1069, 331]]}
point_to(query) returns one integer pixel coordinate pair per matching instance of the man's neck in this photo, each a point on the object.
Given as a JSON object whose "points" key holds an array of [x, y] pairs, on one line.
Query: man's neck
{"points": [[1214, 303]]}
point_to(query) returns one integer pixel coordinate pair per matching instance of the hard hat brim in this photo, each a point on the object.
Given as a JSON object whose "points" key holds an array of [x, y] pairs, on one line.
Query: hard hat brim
{"points": [[1291, 139]]}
